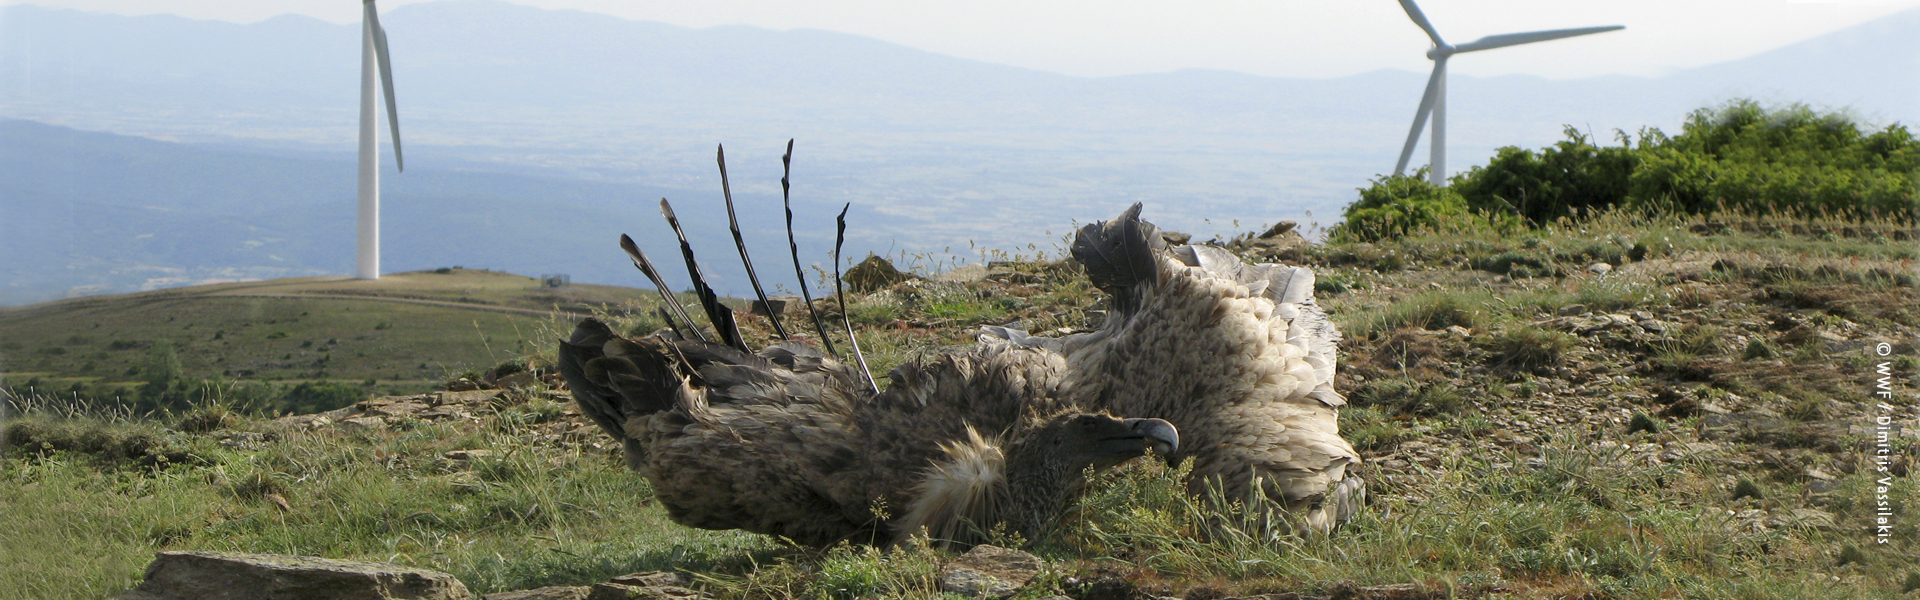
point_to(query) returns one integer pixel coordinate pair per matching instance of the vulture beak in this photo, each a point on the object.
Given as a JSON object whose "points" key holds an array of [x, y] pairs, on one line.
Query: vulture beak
{"points": [[1161, 437]]}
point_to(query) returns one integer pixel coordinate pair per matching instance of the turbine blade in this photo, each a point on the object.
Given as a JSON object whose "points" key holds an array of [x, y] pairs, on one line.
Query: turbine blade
{"points": [[1420, 116], [840, 238], [733, 223], [1420, 18], [786, 200], [386, 80], [719, 314], [1515, 39], [667, 301]]}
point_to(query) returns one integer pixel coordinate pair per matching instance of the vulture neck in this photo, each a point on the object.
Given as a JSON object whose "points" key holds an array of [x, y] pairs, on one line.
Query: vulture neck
{"points": [[982, 486], [1039, 488]]}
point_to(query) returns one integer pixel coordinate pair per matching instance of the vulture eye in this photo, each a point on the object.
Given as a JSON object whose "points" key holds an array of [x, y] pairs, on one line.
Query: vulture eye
{"points": [[1088, 421]]}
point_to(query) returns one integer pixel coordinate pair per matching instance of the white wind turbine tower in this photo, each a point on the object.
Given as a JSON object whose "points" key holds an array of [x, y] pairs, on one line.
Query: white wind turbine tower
{"points": [[373, 64], [1435, 101]]}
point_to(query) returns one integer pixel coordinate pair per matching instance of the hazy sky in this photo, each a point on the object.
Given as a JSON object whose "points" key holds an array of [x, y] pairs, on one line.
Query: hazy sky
{"points": [[1300, 38]]}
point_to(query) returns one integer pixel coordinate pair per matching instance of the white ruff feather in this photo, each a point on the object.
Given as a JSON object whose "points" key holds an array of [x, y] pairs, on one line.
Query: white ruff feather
{"points": [[959, 491]]}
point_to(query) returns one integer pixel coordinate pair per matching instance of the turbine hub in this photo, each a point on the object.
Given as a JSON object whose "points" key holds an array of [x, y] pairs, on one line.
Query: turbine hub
{"points": [[1440, 51]]}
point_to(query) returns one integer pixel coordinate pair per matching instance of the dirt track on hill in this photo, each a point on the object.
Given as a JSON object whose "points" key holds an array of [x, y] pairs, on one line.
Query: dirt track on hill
{"points": [[441, 303]]}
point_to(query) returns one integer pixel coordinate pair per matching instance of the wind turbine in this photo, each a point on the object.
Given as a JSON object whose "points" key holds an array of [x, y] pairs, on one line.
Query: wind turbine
{"points": [[1435, 100], [373, 55]]}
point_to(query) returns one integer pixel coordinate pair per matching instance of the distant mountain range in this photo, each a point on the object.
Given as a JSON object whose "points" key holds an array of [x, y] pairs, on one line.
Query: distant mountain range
{"points": [[84, 212], [934, 151]]}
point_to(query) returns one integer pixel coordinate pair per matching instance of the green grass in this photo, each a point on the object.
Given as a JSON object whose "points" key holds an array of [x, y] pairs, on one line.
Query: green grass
{"points": [[1566, 511], [529, 515], [262, 339], [1568, 521], [102, 343]]}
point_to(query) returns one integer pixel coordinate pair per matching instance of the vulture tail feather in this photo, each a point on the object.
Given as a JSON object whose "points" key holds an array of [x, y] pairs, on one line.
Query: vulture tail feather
{"points": [[667, 300], [612, 389], [1119, 255], [719, 314], [786, 166], [839, 240], [668, 318], [733, 223]]}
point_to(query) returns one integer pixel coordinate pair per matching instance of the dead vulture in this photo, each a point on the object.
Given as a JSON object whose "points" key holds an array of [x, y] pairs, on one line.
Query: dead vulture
{"points": [[791, 442], [1237, 356]]}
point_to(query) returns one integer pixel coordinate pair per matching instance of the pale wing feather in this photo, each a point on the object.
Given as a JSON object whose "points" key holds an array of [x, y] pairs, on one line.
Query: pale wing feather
{"points": [[1239, 357]]}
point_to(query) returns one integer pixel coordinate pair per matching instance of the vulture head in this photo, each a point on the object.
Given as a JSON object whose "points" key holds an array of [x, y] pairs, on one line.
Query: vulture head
{"points": [[1083, 441]]}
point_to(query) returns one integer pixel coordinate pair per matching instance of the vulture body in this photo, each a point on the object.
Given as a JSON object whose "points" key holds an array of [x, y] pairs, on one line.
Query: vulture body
{"points": [[791, 442], [1237, 356]]}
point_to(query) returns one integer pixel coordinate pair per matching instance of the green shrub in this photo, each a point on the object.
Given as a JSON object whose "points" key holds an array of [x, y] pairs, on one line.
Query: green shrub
{"points": [[1368, 428], [1394, 205], [1740, 157], [1746, 156], [1530, 348], [1438, 309], [1518, 265], [1563, 180], [1410, 397], [312, 397]]}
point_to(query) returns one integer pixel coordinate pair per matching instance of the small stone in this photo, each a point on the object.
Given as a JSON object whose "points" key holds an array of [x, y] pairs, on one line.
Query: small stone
{"points": [[1803, 517], [1600, 268], [517, 380], [615, 591], [772, 307], [442, 413], [972, 273], [462, 385], [364, 423], [245, 440], [204, 575], [989, 572], [552, 592], [467, 454], [1573, 310], [1394, 591], [1654, 326], [874, 274], [652, 579], [1279, 229], [1459, 331], [396, 409], [473, 397]]}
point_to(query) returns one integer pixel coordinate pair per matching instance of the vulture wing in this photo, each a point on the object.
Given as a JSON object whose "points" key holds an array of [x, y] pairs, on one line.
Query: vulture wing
{"points": [[791, 442], [1237, 356]]}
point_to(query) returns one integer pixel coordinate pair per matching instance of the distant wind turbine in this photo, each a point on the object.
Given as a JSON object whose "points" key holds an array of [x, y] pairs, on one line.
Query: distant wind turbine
{"points": [[1435, 100], [373, 54]]}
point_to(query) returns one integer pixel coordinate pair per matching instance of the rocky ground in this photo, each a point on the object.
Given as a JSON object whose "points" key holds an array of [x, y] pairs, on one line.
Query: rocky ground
{"points": [[1620, 408]]}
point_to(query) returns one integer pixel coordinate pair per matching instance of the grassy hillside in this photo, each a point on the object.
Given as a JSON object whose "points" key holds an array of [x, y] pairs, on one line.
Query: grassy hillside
{"points": [[402, 333], [1692, 420]]}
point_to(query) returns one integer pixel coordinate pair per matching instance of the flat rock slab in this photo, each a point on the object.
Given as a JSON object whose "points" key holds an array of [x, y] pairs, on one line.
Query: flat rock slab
{"points": [[615, 591], [238, 576], [552, 592], [653, 579], [989, 572]]}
